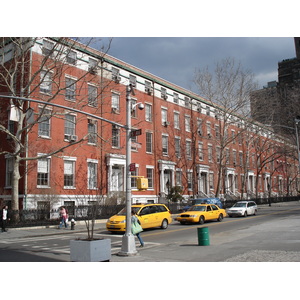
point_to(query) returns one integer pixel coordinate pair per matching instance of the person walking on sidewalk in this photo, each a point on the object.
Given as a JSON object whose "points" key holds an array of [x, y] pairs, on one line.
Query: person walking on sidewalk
{"points": [[64, 217], [4, 218], [136, 227]]}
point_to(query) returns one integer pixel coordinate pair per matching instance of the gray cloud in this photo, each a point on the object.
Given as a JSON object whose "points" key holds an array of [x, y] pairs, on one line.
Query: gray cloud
{"points": [[176, 58]]}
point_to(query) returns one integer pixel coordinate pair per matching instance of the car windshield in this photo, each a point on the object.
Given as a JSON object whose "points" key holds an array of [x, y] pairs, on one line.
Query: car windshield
{"points": [[122, 212], [197, 208], [239, 205]]}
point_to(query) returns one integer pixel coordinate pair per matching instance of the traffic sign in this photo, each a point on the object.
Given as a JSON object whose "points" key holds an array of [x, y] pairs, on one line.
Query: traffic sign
{"points": [[132, 167], [135, 132]]}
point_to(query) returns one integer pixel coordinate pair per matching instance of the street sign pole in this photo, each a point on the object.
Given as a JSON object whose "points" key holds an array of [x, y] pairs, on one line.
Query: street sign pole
{"points": [[128, 240]]}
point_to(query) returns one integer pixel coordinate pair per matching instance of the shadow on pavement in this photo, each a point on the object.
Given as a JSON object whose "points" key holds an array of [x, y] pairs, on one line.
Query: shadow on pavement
{"points": [[11, 255]]}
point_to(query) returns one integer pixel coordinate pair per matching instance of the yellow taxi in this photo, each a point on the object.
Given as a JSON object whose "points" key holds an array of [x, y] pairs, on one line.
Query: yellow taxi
{"points": [[149, 215], [200, 213]]}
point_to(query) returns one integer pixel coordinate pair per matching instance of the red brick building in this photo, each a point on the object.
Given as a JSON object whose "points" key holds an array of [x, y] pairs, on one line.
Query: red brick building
{"points": [[80, 158]]}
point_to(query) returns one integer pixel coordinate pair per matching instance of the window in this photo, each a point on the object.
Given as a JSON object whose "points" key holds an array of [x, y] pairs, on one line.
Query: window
{"points": [[132, 80], [207, 110], [115, 73], [70, 89], [69, 125], [210, 153], [187, 101], [208, 129], [187, 121], [233, 136], [133, 108], [134, 143], [164, 93], [177, 146], [200, 150], [69, 174], [149, 142], [217, 130], [175, 98], [148, 112], [188, 150], [133, 179], [8, 171], [178, 177], [227, 153], [71, 57], [211, 181], [46, 82], [190, 179], [92, 175], [47, 48], [164, 116], [241, 158], [92, 131], [218, 154], [165, 141], [115, 102], [148, 87], [149, 172], [43, 167], [93, 64], [115, 137], [176, 120], [92, 95], [234, 157], [44, 123], [199, 126]]}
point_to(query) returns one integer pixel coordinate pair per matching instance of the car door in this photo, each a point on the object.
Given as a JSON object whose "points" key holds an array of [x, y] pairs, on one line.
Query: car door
{"points": [[209, 213], [215, 211], [250, 208], [145, 217]]}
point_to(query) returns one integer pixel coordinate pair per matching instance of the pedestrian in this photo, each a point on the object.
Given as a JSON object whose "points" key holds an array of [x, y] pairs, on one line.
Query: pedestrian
{"points": [[136, 227], [4, 218], [63, 213]]}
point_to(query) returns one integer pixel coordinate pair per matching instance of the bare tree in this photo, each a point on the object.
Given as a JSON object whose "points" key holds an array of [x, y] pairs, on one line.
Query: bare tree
{"points": [[228, 89], [22, 77]]}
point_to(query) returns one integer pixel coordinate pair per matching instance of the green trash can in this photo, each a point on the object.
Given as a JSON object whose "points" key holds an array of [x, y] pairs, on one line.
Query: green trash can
{"points": [[203, 236]]}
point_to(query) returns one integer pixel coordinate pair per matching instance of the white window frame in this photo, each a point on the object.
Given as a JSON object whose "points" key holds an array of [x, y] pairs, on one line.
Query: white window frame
{"points": [[72, 162], [44, 123], [43, 167], [46, 82], [70, 93], [92, 174], [92, 95]]}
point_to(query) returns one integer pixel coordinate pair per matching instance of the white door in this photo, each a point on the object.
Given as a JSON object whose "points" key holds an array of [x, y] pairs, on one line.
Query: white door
{"points": [[117, 179]]}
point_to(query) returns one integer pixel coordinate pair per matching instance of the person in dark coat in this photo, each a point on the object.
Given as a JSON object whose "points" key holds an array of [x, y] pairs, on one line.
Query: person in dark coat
{"points": [[4, 218]]}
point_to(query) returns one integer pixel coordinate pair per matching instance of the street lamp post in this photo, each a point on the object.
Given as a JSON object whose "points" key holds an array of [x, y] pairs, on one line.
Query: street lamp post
{"points": [[128, 240], [297, 140]]}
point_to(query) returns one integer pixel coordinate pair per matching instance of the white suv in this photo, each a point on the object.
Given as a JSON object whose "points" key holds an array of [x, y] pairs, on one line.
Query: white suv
{"points": [[242, 208]]}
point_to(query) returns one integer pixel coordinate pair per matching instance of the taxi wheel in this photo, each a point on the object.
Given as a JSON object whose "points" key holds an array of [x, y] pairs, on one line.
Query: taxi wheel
{"points": [[220, 217], [245, 214], [164, 224], [201, 220]]}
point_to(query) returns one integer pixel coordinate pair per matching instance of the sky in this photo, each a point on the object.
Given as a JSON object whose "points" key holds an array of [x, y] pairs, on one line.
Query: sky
{"points": [[176, 58]]}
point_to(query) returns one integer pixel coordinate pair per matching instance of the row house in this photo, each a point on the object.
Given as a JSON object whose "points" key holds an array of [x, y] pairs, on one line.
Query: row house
{"points": [[71, 149]]}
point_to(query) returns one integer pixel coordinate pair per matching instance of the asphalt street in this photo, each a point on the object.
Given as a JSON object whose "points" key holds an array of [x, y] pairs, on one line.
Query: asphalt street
{"points": [[276, 240]]}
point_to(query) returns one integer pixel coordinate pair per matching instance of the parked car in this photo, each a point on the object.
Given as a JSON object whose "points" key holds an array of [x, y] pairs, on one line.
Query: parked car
{"points": [[200, 213], [150, 216], [242, 208]]}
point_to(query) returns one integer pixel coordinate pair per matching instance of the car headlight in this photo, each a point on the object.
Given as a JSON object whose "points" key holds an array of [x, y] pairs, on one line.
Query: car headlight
{"points": [[123, 221], [193, 216]]}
